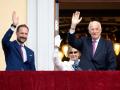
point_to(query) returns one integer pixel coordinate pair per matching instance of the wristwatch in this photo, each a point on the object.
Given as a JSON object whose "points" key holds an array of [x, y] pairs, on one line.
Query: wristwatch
{"points": [[12, 25]]}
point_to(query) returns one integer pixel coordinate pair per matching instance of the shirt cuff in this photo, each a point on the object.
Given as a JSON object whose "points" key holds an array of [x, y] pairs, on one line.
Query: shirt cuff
{"points": [[72, 31], [12, 28]]}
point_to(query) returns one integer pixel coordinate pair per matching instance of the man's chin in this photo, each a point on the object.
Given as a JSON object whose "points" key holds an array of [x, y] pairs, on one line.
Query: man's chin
{"points": [[22, 42], [95, 37]]}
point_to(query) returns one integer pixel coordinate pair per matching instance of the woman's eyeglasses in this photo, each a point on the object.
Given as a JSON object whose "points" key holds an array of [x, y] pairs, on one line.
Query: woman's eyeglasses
{"points": [[73, 52]]}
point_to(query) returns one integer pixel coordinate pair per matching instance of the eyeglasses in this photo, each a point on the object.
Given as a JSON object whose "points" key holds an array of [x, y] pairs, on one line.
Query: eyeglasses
{"points": [[73, 52]]}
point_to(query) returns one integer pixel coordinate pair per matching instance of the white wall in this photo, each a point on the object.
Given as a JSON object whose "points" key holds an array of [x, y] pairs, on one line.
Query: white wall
{"points": [[41, 37]]}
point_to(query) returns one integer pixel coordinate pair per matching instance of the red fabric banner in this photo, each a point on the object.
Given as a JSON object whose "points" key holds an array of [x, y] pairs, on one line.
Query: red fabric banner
{"points": [[60, 80]]}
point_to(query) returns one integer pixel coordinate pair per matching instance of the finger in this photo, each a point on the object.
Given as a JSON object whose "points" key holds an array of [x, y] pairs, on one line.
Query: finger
{"points": [[14, 14], [73, 15], [80, 18], [17, 18], [77, 14]]}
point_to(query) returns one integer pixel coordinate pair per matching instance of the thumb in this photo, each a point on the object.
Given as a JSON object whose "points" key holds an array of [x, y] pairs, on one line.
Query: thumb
{"points": [[80, 19]]}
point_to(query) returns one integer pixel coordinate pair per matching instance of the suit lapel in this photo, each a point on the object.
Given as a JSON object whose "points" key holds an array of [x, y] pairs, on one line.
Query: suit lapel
{"points": [[17, 46]]}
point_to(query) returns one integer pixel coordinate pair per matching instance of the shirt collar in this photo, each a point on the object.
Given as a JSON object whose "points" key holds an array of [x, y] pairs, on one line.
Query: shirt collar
{"points": [[97, 40], [20, 43]]}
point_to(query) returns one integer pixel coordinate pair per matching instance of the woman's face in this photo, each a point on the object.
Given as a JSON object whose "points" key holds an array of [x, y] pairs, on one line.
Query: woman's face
{"points": [[73, 54]]}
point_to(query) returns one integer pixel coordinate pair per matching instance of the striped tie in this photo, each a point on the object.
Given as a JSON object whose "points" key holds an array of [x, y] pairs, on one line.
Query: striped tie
{"points": [[93, 46]]}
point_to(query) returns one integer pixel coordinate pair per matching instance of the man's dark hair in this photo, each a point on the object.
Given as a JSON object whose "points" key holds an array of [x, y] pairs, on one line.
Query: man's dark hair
{"points": [[22, 25]]}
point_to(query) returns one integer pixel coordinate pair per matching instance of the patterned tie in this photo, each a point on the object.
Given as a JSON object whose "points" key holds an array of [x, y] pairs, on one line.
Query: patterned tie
{"points": [[21, 51], [93, 46]]}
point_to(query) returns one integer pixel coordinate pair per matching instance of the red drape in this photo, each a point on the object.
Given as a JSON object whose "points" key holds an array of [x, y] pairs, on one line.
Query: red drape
{"points": [[60, 80]]}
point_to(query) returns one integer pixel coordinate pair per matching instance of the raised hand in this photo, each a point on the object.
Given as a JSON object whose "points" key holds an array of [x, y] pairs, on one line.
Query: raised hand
{"points": [[57, 40], [15, 19], [76, 18]]}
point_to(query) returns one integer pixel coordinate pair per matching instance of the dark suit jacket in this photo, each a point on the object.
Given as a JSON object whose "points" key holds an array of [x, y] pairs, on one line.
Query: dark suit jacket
{"points": [[13, 57], [104, 57]]}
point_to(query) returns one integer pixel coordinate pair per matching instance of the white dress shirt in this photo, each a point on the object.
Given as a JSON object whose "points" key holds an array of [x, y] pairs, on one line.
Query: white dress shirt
{"points": [[24, 54]]}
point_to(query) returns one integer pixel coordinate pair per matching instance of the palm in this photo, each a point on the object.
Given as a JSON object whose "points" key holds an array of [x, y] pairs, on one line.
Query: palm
{"points": [[15, 19], [75, 18]]}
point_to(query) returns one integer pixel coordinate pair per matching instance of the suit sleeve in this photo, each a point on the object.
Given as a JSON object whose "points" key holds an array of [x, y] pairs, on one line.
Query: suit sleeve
{"points": [[6, 39], [111, 56], [76, 43]]}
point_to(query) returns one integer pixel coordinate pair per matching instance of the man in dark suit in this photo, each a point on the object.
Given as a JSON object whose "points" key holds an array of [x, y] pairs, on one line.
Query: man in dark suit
{"points": [[17, 55], [96, 52]]}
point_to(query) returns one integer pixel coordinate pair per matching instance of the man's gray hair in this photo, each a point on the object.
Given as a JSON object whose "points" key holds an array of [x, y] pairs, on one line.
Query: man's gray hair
{"points": [[97, 22]]}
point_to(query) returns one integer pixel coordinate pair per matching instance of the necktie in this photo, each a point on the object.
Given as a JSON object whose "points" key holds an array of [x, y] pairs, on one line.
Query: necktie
{"points": [[93, 46], [21, 51]]}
